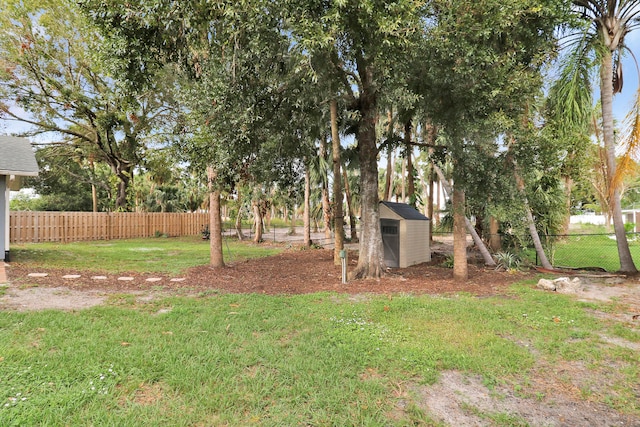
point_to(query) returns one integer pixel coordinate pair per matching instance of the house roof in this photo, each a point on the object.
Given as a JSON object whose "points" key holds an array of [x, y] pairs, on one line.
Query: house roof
{"points": [[17, 157], [405, 211]]}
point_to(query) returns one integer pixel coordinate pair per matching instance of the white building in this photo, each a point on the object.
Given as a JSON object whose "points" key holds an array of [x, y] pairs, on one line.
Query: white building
{"points": [[17, 159]]}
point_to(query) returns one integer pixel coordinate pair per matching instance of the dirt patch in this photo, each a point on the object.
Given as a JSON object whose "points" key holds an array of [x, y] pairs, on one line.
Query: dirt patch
{"points": [[56, 298], [463, 400]]}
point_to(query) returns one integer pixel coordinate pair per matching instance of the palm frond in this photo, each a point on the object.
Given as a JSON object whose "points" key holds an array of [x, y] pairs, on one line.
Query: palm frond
{"points": [[570, 97], [630, 145]]}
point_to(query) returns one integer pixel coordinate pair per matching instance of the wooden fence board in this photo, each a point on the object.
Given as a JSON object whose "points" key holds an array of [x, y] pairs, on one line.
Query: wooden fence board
{"points": [[33, 227]]}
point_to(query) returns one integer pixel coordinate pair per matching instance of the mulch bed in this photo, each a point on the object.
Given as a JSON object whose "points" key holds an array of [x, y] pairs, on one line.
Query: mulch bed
{"points": [[294, 271]]}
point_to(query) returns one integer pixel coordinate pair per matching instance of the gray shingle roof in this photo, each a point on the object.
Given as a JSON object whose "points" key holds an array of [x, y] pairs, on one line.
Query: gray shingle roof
{"points": [[405, 211], [17, 157]]}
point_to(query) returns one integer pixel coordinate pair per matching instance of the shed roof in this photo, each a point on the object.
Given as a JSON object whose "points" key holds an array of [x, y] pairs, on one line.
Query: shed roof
{"points": [[405, 211], [17, 157]]}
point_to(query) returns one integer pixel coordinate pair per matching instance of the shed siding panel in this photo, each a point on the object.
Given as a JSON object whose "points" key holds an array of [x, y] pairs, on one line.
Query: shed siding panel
{"points": [[414, 243]]}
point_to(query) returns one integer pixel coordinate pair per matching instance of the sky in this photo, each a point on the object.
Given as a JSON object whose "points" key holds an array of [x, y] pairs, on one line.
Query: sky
{"points": [[623, 102]]}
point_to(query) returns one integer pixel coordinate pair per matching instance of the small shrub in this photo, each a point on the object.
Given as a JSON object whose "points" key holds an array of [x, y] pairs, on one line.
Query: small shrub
{"points": [[507, 261], [448, 262]]}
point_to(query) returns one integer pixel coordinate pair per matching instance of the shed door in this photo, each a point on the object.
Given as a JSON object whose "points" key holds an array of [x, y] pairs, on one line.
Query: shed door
{"points": [[391, 242]]}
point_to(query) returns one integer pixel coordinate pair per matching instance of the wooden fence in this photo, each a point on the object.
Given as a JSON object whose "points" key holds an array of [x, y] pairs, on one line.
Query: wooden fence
{"points": [[33, 227]]}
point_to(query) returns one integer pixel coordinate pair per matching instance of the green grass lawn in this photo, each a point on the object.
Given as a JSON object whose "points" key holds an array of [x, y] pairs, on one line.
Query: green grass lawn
{"points": [[158, 255], [320, 359], [591, 251], [588, 250]]}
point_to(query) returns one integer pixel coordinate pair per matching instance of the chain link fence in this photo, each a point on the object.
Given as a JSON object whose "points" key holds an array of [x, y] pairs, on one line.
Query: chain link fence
{"points": [[587, 251], [575, 251], [590, 251]]}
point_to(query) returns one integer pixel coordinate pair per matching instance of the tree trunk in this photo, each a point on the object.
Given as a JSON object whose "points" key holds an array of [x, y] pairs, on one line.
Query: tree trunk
{"points": [[606, 97], [124, 179], [460, 267], [568, 186], [257, 215], [438, 204], [371, 255], [411, 186], [486, 255], [531, 224], [387, 183], [307, 207], [338, 221], [403, 180], [292, 223], [94, 197], [477, 240], [326, 203], [269, 212], [94, 190], [533, 231], [432, 134], [353, 229], [495, 241], [238, 224], [430, 205], [215, 222], [326, 212]]}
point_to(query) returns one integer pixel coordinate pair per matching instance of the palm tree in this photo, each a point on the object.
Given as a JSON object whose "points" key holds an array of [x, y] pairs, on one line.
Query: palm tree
{"points": [[601, 44]]}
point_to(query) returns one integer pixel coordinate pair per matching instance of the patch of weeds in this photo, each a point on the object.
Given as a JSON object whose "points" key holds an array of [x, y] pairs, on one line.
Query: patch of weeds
{"points": [[623, 331], [417, 416], [208, 293], [579, 334], [357, 327], [28, 393], [15, 388], [507, 420], [3, 290], [121, 300], [101, 382], [24, 286], [586, 392], [591, 305], [496, 418], [448, 262]]}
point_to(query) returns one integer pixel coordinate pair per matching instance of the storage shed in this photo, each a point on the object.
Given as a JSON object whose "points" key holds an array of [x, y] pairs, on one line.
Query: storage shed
{"points": [[405, 235], [17, 159]]}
